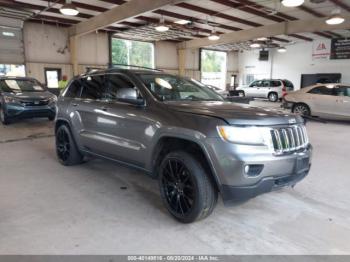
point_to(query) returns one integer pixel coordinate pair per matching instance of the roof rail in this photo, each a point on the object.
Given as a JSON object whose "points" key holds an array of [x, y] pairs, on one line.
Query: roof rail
{"points": [[111, 66]]}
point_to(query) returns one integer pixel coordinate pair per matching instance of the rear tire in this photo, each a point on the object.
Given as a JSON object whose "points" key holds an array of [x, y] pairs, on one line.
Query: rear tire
{"points": [[301, 109], [273, 97], [66, 149], [186, 188], [3, 116]]}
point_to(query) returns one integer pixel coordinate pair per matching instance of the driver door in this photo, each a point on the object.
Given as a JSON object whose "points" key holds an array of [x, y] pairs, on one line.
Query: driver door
{"points": [[253, 88]]}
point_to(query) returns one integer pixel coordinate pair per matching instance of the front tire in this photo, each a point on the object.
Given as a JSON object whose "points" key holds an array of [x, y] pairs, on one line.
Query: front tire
{"points": [[301, 109], [3, 116], [66, 149], [186, 188]]}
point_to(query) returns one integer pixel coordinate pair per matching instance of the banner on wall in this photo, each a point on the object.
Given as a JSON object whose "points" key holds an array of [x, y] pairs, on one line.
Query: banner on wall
{"points": [[321, 49], [340, 48]]}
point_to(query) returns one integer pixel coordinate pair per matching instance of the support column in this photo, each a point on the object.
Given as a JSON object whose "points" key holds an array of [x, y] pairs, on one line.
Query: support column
{"points": [[74, 54], [182, 62]]}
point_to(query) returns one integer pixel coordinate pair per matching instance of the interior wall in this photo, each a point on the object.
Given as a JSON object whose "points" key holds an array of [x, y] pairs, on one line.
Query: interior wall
{"points": [[47, 46], [291, 65], [166, 57]]}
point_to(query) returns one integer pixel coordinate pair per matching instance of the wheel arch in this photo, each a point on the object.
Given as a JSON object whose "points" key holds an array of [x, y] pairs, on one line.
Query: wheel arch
{"points": [[169, 143]]}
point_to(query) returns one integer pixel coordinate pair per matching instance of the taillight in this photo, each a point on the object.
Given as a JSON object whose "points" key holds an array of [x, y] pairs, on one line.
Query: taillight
{"points": [[284, 91]]}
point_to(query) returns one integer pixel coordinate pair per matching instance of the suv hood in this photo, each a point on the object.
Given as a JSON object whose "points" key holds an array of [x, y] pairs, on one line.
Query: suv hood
{"points": [[31, 95], [235, 114]]}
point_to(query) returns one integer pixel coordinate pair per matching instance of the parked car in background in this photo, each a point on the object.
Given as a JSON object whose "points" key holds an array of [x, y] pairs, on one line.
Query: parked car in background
{"points": [[24, 97], [322, 100], [182, 133], [222, 92], [273, 89]]}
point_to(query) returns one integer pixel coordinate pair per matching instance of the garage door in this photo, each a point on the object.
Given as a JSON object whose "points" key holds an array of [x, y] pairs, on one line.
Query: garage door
{"points": [[11, 45]]}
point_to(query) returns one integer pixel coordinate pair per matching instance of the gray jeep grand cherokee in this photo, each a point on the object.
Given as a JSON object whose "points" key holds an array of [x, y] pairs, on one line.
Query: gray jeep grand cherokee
{"points": [[182, 133]]}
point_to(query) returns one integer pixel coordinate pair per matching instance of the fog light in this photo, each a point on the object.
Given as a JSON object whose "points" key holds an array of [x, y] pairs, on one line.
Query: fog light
{"points": [[253, 170]]}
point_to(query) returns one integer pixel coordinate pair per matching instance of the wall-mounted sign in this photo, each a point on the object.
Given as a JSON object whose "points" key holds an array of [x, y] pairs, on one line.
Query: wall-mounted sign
{"points": [[340, 48], [321, 49]]}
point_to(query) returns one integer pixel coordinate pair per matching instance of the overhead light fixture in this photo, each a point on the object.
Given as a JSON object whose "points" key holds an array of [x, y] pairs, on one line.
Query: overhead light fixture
{"points": [[281, 49], [255, 45], [162, 27], [11, 34], [213, 36], [182, 22], [262, 39], [292, 3], [335, 18], [69, 9]]}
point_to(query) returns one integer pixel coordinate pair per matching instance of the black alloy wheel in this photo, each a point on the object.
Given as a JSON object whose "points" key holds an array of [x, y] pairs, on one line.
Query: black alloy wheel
{"points": [[185, 186], [67, 151], [63, 145], [178, 187]]}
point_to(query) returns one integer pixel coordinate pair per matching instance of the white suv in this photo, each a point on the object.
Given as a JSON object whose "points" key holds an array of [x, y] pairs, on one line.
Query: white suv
{"points": [[273, 89]]}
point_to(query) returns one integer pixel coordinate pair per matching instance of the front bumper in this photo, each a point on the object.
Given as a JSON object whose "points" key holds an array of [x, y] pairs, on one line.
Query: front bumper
{"points": [[15, 111], [271, 172], [265, 185]]}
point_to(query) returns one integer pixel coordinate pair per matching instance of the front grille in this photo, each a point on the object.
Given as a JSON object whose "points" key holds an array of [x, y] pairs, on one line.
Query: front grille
{"points": [[289, 139], [35, 103]]}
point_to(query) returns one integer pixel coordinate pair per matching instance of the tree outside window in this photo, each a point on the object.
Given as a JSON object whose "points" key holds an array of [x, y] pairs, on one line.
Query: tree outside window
{"points": [[130, 52]]}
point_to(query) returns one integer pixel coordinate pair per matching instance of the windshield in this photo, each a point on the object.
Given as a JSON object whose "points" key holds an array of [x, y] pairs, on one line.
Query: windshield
{"points": [[173, 88], [20, 85]]}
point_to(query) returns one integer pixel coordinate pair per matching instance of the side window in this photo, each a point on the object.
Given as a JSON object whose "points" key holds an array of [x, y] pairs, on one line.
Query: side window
{"points": [[342, 91], [93, 87], [119, 86], [255, 83], [322, 90], [74, 89], [275, 83], [265, 83]]}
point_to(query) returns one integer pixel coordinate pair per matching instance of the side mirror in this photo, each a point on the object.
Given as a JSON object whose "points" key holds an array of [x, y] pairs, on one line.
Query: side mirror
{"points": [[129, 95]]}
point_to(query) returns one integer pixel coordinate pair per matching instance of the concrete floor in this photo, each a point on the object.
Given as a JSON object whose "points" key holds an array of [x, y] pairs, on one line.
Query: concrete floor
{"points": [[46, 208]]}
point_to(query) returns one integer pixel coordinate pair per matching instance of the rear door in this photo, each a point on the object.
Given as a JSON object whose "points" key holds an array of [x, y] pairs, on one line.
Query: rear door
{"points": [[127, 127], [89, 109], [342, 105]]}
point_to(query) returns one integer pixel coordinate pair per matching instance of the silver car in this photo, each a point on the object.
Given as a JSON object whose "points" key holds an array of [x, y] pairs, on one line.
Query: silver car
{"points": [[185, 135], [273, 89], [321, 100]]}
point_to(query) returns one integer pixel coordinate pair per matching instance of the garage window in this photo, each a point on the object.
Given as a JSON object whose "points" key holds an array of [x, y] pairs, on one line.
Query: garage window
{"points": [[213, 68], [128, 52]]}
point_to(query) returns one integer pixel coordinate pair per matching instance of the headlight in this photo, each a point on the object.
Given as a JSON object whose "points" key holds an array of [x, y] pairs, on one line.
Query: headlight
{"points": [[246, 135], [9, 99], [53, 99]]}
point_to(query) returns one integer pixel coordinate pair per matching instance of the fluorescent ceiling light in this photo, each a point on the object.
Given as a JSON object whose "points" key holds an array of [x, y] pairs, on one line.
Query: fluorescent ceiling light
{"points": [[182, 22], [335, 20], [214, 37], [69, 9], [281, 50], [162, 28], [292, 3], [8, 34], [262, 39], [255, 45]]}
